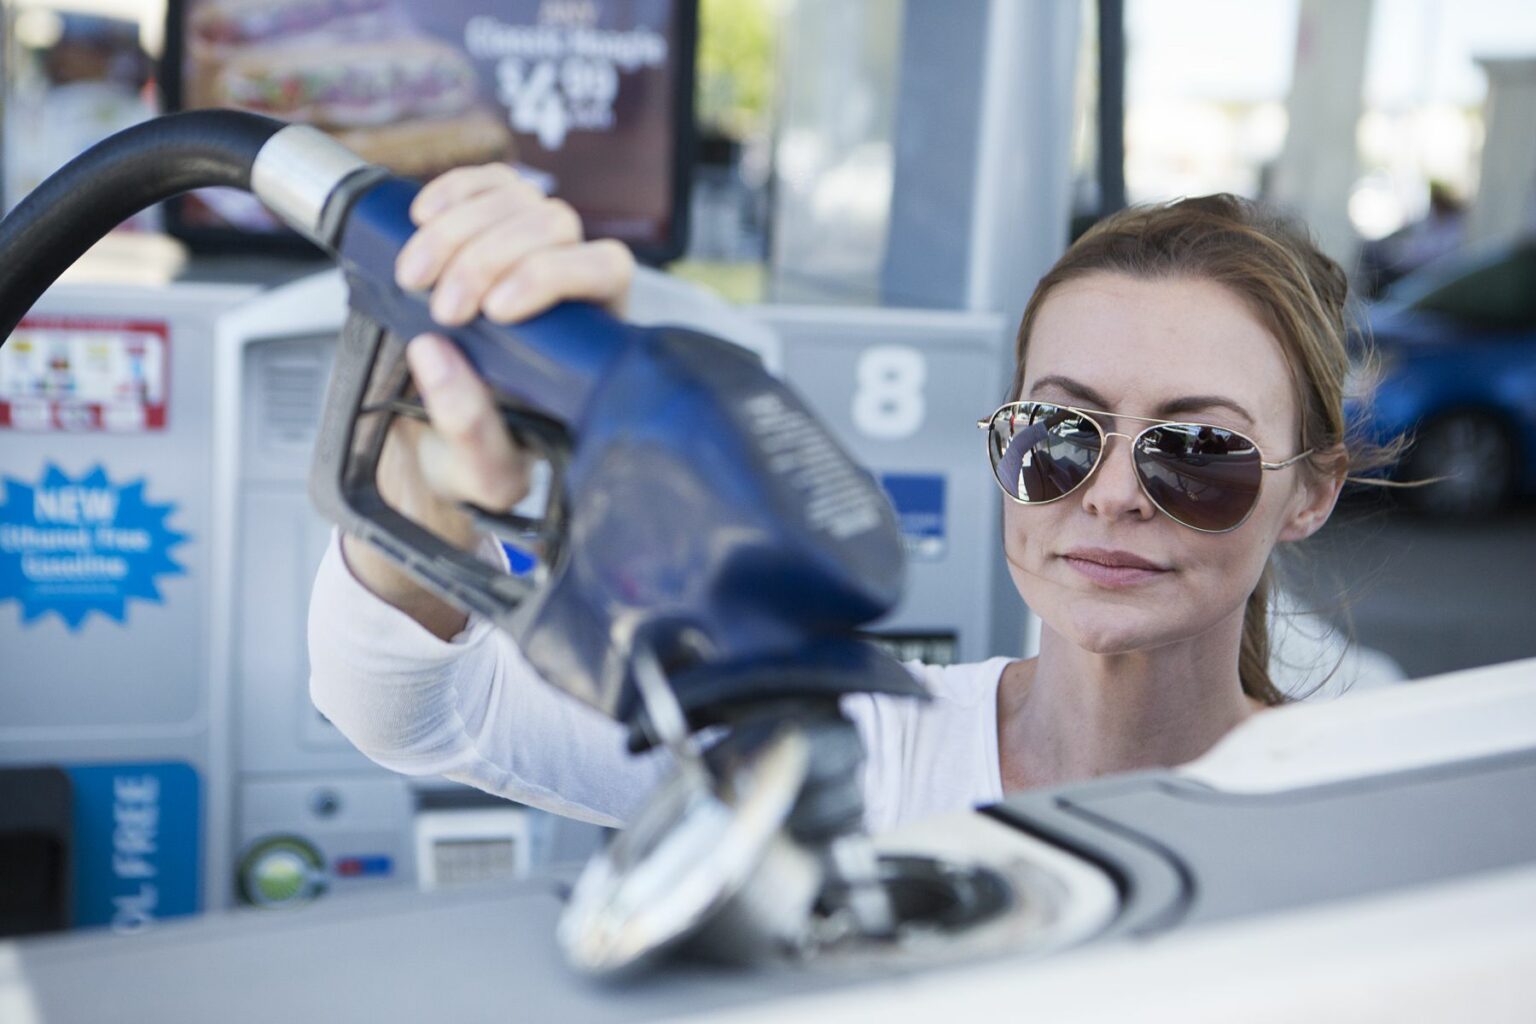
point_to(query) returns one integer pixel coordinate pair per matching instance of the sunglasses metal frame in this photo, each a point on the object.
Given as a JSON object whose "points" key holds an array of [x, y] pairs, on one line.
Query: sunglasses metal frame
{"points": [[1091, 415]]}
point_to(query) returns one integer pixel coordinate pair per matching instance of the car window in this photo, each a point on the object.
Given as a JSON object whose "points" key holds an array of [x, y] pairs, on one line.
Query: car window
{"points": [[1500, 295]]}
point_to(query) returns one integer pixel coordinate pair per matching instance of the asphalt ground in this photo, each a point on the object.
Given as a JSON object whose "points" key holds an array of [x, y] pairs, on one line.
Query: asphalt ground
{"points": [[1435, 596]]}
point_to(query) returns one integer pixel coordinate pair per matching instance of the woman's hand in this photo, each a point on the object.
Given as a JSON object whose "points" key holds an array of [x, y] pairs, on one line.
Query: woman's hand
{"points": [[487, 242]]}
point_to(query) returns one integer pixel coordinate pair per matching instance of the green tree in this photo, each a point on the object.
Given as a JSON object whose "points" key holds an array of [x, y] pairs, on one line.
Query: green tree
{"points": [[735, 66]]}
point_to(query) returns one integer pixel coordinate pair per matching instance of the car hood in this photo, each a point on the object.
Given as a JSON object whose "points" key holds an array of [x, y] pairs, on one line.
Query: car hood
{"points": [[1397, 326]]}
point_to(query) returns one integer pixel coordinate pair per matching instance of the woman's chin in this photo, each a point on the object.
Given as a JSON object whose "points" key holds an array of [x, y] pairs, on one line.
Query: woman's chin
{"points": [[1114, 622], [1111, 641], [1107, 629], [1116, 630]]}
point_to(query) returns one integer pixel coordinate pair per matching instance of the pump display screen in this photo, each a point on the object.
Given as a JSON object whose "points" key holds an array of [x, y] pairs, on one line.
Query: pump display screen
{"points": [[590, 99]]}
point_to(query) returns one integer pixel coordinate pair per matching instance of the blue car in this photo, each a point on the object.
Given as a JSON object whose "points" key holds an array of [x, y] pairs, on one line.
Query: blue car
{"points": [[1457, 342]]}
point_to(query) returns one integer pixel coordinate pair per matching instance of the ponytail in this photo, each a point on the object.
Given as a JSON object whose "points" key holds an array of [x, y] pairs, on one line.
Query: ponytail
{"points": [[1253, 654]]}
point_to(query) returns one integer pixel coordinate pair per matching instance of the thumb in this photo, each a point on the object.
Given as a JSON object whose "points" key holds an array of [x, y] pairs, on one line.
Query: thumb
{"points": [[475, 460]]}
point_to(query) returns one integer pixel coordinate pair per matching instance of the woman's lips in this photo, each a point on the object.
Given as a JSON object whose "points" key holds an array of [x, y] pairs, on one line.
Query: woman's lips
{"points": [[1112, 568]]}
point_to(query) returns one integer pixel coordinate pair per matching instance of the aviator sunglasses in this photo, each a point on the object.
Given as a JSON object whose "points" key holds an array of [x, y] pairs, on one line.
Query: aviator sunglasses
{"points": [[1201, 476]]}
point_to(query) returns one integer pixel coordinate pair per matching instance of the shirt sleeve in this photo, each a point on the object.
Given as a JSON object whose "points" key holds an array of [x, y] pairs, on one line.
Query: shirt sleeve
{"points": [[470, 709]]}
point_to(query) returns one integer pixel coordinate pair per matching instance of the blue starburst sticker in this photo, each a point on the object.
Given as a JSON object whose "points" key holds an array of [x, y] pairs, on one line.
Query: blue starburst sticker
{"points": [[73, 546]]}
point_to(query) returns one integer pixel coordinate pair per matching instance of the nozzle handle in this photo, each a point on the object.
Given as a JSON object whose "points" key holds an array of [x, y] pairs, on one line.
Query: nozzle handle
{"points": [[551, 363]]}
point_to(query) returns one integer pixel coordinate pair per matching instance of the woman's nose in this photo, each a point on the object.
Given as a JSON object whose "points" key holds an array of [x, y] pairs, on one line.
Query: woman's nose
{"points": [[1113, 491]]}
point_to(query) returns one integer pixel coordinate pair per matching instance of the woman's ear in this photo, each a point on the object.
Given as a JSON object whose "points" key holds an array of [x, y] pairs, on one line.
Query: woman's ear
{"points": [[1315, 496]]}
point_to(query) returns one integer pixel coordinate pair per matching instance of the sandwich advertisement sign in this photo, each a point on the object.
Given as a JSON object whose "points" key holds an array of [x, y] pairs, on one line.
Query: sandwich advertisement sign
{"points": [[585, 95], [556, 79]]}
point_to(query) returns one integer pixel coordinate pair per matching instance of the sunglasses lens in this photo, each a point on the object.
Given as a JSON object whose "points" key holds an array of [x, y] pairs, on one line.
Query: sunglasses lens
{"points": [[1204, 477], [1040, 451]]}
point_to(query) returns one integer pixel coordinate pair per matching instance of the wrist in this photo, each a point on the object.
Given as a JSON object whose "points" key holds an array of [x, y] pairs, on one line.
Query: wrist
{"points": [[380, 576]]}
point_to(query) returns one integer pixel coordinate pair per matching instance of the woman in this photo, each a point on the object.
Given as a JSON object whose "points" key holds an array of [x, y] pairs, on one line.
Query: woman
{"points": [[1206, 312]]}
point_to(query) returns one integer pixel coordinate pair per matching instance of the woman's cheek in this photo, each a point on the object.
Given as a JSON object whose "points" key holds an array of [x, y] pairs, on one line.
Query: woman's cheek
{"points": [[1020, 526], [1222, 574], [1026, 535]]}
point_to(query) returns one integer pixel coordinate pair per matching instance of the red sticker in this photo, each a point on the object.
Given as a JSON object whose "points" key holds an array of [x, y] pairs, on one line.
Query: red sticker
{"points": [[81, 374]]}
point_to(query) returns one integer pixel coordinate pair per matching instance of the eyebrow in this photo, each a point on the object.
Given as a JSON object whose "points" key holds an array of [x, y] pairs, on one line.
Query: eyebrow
{"points": [[1173, 407]]}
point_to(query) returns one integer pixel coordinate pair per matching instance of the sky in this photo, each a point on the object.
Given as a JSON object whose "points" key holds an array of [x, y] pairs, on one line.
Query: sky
{"points": [[1420, 51]]}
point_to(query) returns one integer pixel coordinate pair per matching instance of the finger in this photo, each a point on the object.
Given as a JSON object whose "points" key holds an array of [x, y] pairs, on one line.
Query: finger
{"points": [[494, 253], [600, 272], [460, 183], [423, 256], [453, 471], [468, 456]]}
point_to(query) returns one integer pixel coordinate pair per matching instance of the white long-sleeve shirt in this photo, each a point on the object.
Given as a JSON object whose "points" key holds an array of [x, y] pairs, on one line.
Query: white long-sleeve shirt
{"points": [[473, 710]]}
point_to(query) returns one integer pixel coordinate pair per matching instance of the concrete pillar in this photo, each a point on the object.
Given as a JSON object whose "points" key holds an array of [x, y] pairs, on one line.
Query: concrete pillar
{"points": [[1320, 161], [981, 202], [1505, 205], [924, 151]]}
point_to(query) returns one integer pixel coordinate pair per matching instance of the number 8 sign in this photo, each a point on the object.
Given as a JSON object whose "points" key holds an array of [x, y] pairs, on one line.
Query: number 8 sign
{"points": [[888, 402]]}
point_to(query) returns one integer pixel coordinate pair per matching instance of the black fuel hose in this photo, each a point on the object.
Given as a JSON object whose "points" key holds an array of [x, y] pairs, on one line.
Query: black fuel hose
{"points": [[64, 216]]}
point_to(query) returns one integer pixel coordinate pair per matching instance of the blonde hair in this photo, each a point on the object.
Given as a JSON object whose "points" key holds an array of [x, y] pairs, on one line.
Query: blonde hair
{"points": [[1296, 292]]}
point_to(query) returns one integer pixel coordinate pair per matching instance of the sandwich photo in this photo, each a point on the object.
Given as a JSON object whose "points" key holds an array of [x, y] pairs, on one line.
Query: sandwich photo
{"points": [[355, 68], [217, 30]]}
